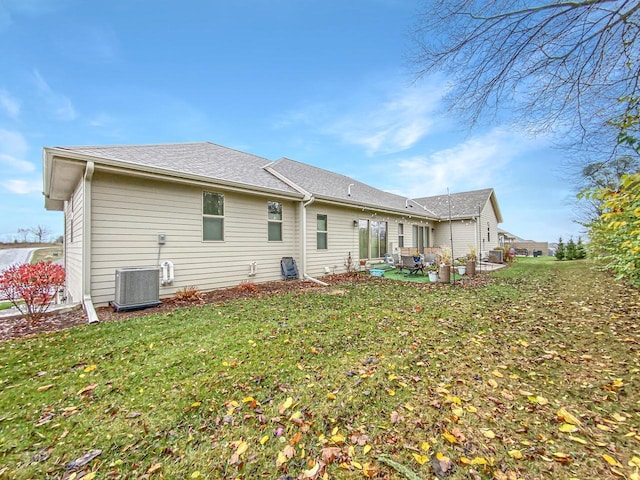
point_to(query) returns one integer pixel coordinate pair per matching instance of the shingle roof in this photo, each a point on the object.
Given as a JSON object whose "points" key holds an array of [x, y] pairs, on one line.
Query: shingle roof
{"points": [[463, 205], [333, 186], [214, 162], [204, 159]]}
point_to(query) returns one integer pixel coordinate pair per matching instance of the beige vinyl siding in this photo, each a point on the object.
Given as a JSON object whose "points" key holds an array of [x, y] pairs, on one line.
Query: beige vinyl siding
{"points": [[342, 236], [74, 217], [464, 236], [129, 213], [465, 233], [489, 221]]}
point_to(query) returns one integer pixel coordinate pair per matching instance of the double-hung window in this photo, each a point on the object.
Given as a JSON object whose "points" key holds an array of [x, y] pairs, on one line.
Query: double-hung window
{"points": [[400, 235], [212, 216], [274, 225], [322, 232]]}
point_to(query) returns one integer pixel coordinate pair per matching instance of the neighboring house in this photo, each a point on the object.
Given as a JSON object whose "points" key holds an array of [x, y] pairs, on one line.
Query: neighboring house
{"points": [[506, 237], [221, 216], [521, 245]]}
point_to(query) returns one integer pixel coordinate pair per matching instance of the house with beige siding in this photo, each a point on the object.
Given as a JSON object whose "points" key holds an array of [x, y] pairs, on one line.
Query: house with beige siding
{"points": [[467, 220], [217, 216]]}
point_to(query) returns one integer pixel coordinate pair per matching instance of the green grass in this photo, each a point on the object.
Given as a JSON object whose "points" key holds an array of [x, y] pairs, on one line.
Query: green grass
{"points": [[48, 254], [5, 305], [380, 377]]}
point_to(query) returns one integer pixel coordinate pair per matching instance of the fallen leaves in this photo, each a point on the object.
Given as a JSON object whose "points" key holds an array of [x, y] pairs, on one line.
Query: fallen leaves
{"points": [[285, 406], [515, 454], [88, 389], [565, 416], [240, 448], [492, 385]]}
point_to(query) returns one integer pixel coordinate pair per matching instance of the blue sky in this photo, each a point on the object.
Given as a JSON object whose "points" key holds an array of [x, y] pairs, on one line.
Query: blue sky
{"points": [[322, 82]]}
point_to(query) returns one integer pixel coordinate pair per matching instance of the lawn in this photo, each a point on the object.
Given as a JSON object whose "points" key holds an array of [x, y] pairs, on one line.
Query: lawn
{"points": [[47, 254], [535, 375], [4, 305]]}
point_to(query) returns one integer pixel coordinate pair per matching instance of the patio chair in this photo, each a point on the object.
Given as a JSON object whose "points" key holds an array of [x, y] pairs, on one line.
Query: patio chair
{"points": [[288, 268], [410, 264]]}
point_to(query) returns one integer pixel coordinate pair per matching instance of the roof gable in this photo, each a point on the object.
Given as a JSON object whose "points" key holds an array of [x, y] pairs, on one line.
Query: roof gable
{"points": [[463, 205]]}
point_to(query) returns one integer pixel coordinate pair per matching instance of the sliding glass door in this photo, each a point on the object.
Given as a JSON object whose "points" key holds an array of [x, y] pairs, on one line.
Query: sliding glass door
{"points": [[420, 238], [372, 236]]}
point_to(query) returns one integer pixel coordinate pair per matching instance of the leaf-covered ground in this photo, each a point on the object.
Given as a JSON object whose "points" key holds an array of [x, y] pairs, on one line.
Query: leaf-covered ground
{"points": [[535, 375]]}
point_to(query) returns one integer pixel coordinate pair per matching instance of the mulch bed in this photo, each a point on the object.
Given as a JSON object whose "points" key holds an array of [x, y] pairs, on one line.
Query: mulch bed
{"points": [[19, 327]]}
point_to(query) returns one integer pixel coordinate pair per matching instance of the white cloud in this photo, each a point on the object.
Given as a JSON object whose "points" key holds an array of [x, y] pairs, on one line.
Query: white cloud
{"points": [[476, 163], [60, 105], [395, 124], [13, 143], [13, 148], [9, 9], [101, 120], [23, 187], [382, 118], [16, 164], [9, 104]]}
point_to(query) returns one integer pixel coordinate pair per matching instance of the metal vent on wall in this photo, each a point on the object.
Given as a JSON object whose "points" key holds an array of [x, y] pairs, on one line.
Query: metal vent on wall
{"points": [[137, 287]]}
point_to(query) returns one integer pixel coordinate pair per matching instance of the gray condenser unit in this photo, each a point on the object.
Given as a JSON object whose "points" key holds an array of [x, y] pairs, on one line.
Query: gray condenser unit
{"points": [[137, 287]]}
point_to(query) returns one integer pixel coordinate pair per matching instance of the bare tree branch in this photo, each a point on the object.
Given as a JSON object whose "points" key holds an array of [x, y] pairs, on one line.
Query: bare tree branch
{"points": [[564, 65]]}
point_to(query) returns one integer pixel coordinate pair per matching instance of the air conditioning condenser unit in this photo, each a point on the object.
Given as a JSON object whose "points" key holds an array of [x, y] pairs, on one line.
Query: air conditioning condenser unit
{"points": [[136, 288]]}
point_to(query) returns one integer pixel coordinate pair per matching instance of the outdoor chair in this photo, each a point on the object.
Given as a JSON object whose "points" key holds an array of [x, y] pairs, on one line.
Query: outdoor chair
{"points": [[410, 264], [288, 268]]}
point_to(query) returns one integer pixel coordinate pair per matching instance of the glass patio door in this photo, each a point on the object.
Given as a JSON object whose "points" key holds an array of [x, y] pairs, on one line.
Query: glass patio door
{"points": [[372, 238]]}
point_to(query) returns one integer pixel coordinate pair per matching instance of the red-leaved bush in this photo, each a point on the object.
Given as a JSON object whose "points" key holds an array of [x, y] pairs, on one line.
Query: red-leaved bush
{"points": [[36, 285]]}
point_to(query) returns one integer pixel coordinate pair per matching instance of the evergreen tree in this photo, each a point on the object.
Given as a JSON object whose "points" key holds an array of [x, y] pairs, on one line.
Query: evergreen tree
{"points": [[570, 250], [581, 251], [560, 250]]}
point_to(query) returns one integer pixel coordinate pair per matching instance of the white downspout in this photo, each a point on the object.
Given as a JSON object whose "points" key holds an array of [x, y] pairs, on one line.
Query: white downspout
{"points": [[304, 243], [307, 200], [89, 309]]}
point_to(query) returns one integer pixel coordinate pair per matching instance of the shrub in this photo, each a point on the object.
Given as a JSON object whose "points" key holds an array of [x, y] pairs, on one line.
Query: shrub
{"points": [[189, 294], [249, 287], [32, 288], [614, 237]]}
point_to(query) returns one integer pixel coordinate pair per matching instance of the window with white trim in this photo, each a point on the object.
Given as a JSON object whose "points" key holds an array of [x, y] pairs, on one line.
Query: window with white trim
{"points": [[274, 224], [400, 235], [212, 216], [322, 231]]}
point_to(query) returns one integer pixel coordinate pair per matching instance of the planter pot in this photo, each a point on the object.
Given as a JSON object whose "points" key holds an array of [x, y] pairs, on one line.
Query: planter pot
{"points": [[462, 270], [471, 267], [445, 273], [433, 276]]}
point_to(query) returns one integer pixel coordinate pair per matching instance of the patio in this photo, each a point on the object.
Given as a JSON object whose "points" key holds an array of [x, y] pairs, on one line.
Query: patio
{"points": [[396, 274]]}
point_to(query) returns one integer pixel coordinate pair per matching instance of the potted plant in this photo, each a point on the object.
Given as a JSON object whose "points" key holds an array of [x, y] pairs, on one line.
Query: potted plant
{"points": [[432, 271], [363, 264], [445, 266], [471, 261]]}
